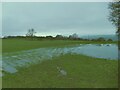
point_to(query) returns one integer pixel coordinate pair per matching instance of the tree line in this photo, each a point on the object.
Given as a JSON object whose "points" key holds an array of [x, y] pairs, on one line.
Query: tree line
{"points": [[30, 35]]}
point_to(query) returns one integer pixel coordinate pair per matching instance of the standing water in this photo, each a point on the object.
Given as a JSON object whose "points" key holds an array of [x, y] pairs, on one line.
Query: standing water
{"points": [[11, 61]]}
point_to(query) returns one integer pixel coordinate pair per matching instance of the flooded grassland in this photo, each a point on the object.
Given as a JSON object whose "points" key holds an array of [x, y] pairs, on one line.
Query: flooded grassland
{"points": [[76, 65]]}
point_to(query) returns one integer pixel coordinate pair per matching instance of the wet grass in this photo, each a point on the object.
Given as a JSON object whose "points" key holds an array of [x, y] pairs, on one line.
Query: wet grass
{"points": [[12, 45], [82, 72]]}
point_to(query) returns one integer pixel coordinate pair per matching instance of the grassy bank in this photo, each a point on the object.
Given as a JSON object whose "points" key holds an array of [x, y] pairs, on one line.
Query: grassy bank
{"points": [[82, 71], [12, 45]]}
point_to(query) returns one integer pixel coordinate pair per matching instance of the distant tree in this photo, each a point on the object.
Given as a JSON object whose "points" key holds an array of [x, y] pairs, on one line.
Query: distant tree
{"points": [[70, 36], [73, 36], [101, 39], [110, 40], [30, 33], [114, 15], [59, 37], [49, 37], [93, 39]]}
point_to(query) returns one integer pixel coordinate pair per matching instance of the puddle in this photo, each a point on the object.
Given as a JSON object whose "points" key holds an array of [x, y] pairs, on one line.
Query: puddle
{"points": [[12, 61]]}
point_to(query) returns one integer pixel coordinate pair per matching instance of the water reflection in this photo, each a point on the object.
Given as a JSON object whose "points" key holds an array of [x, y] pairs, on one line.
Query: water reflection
{"points": [[11, 61]]}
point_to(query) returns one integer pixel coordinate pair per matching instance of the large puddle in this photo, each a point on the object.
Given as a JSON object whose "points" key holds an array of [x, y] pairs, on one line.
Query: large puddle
{"points": [[12, 61]]}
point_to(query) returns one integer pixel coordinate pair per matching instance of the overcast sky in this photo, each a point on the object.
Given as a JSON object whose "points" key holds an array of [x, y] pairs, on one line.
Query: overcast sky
{"points": [[84, 18], [0, 19]]}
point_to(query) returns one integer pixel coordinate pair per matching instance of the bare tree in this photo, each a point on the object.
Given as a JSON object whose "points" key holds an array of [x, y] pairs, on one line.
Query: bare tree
{"points": [[30, 33], [73, 36]]}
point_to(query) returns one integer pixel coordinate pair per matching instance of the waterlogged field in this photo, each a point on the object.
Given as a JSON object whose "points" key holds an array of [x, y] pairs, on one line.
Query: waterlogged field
{"points": [[40, 64], [12, 45]]}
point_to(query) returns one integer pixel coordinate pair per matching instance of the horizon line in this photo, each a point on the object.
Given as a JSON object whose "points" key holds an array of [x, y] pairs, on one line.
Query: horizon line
{"points": [[62, 35]]}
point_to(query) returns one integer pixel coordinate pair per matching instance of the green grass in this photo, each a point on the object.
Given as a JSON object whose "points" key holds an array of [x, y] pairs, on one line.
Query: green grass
{"points": [[0, 83], [0, 46], [12, 45], [0, 59], [82, 72]]}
